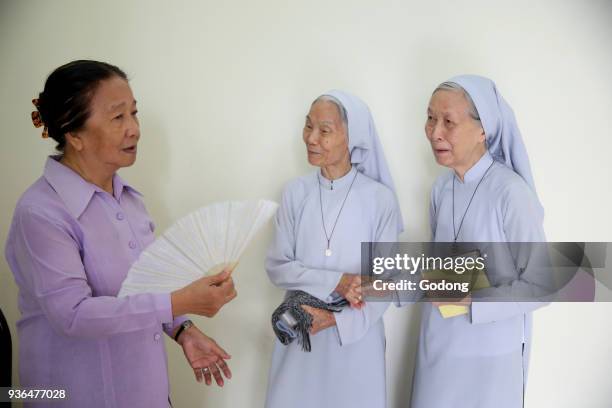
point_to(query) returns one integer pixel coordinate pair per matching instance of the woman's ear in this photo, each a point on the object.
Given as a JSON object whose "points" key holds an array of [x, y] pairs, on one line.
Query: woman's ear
{"points": [[74, 140], [483, 136]]}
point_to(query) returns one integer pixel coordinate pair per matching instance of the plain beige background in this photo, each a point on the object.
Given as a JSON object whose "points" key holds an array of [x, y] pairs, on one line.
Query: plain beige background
{"points": [[223, 88]]}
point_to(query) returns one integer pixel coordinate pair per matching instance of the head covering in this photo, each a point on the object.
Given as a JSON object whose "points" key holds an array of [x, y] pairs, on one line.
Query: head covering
{"points": [[502, 133], [364, 145]]}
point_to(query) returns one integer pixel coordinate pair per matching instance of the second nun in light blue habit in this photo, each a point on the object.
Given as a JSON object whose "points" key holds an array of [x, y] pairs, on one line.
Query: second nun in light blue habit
{"points": [[322, 220], [479, 359]]}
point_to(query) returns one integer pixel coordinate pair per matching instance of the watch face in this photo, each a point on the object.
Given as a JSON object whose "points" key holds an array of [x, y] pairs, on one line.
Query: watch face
{"points": [[187, 324]]}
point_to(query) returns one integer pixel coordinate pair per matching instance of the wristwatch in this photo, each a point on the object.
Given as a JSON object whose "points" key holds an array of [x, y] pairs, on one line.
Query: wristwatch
{"points": [[185, 325]]}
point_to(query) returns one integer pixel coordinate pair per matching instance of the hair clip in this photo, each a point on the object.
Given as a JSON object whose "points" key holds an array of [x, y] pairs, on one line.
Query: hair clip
{"points": [[37, 119]]}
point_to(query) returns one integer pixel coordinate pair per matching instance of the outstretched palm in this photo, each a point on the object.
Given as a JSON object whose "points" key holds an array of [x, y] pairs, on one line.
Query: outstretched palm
{"points": [[204, 356]]}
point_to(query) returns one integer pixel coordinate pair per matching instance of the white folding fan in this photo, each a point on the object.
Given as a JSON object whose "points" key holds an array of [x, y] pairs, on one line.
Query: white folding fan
{"points": [[201, 243]]}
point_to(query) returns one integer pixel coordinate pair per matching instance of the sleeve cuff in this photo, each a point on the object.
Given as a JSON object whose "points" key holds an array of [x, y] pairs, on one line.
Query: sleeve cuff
{"points": [[327, 287], [170, 327], [489, 312], [163, 307], [345, 326]]}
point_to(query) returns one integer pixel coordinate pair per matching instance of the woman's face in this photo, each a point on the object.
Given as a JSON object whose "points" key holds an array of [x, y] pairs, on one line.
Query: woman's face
{"points": [[110, 134], [325, 135], [457, 140]]}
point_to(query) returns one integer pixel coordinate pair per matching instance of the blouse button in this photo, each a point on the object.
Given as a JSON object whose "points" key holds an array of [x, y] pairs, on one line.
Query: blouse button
{"points": [[132, 244], [157, 337], [120, 216]]}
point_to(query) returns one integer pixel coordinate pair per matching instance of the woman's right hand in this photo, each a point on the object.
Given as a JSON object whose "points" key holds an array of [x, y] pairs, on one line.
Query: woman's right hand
{"points": [[204, 296], [349, 288]]}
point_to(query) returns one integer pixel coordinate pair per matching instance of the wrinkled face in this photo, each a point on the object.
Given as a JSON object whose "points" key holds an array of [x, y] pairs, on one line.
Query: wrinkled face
{"points": [[456, 138], [325, 135], [110, 134]]}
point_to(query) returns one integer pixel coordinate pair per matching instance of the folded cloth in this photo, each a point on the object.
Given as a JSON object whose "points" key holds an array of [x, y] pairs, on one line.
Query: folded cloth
{"points": [[291, 321]]}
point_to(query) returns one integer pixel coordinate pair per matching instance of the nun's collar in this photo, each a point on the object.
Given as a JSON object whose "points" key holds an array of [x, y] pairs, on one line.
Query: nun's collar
{"points": [[477, 171], [338, 183]]}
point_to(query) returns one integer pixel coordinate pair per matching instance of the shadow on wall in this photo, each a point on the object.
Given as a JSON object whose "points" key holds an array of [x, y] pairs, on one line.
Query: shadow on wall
{"points": [[403, 326]]}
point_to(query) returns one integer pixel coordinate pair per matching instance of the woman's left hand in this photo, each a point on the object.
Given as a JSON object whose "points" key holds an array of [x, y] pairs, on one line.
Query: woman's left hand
{"points": [[204, 356], [321, 319]]}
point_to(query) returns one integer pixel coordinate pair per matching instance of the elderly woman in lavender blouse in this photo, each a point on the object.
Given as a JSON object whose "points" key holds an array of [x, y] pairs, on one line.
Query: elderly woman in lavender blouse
{"points": [[74, 235]]}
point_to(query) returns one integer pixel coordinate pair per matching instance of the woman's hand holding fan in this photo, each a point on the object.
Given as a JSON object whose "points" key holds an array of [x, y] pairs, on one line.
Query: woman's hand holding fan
{"points": [[204, 296]]}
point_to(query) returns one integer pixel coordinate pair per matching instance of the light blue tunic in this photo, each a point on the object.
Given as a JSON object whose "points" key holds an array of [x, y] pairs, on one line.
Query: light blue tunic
{"points": [[346, 367], [480, 360]]}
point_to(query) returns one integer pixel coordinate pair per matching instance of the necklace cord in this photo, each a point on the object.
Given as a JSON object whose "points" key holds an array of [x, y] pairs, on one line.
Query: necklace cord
{"points": [[456, 233], [339, 212]]}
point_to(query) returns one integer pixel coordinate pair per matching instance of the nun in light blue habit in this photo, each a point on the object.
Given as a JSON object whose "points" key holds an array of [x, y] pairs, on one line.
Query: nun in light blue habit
{"points": [[479, 359], [322, 220]]}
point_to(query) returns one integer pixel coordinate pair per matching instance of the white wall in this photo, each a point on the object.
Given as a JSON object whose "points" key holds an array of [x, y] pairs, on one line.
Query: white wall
{"points": [[223, 88]]}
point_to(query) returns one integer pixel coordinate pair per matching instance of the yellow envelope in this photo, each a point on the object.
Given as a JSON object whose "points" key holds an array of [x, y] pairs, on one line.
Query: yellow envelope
{"points": [[448, 311]]}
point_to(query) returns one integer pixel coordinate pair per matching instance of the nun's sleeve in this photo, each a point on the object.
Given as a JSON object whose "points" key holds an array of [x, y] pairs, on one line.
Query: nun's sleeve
{"points": [[353, 324], [523, 224], [284, 270]]}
